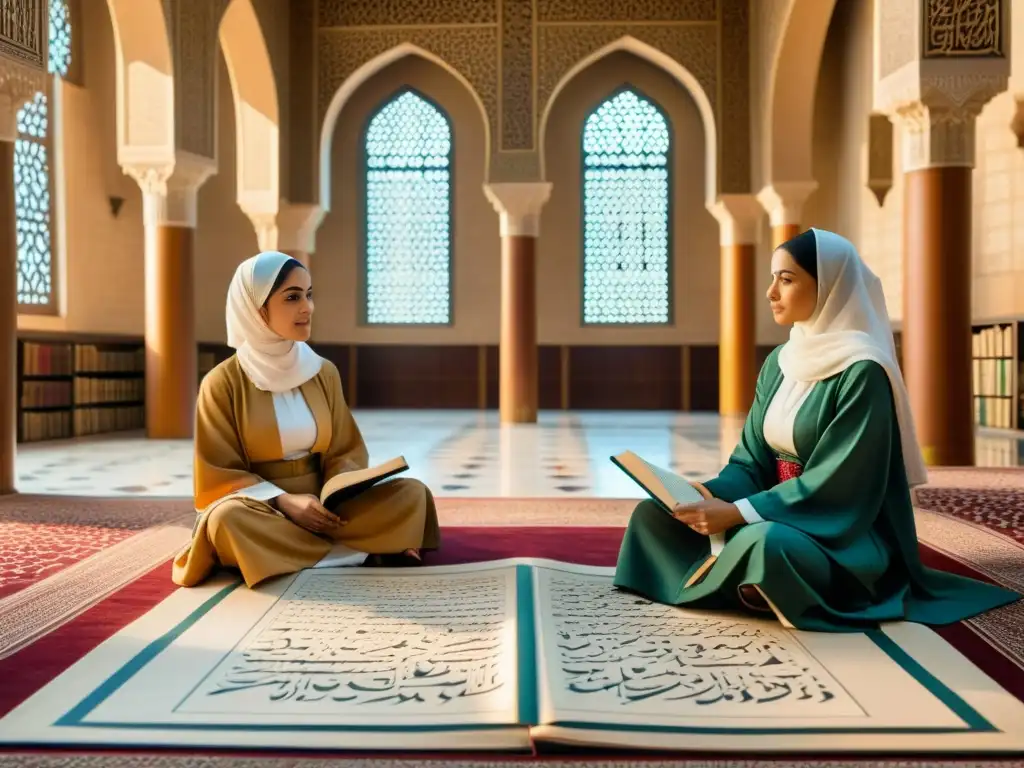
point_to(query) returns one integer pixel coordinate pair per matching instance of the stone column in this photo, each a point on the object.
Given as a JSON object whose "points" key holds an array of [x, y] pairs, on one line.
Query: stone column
{"points": [[519, 206], [291, 229], [19, 83], [738, 217], [784, 201], [934, 91], [169, 193]]}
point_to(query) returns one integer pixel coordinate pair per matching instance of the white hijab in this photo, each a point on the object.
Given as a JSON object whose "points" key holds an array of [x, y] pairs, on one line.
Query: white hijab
{"points": [[272, 363], [850, 323]]}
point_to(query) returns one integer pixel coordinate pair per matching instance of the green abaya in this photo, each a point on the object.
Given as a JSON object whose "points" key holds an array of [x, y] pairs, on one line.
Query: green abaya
{"points": [[837, 548]]}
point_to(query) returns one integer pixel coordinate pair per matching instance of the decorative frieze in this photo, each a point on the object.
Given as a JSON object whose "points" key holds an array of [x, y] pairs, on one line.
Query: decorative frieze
{"points": [[954, 28]]}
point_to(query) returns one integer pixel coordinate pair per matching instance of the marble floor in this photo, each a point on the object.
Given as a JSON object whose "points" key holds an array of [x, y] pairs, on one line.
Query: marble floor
{"points": [[457, 453]]}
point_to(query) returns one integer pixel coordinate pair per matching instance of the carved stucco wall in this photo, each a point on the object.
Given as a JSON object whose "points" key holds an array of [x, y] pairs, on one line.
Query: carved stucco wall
{"points": [[515, 52], [192, 26], [23, 25], [767, 25]]}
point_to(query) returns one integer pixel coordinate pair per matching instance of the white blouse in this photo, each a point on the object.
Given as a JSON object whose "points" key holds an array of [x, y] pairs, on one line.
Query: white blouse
{"points": [[779, 420]]}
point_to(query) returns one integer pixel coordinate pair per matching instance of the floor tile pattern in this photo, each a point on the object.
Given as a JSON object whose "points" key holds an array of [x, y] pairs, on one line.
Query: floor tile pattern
{"points": [[457, 453]]}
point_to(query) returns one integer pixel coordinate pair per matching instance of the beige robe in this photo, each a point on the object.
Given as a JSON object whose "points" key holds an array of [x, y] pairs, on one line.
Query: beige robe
{"points": [[238, 445]]}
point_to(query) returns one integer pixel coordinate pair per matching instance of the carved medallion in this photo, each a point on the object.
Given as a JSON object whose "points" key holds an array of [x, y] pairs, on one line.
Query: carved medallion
{"points": [[955, 28]]}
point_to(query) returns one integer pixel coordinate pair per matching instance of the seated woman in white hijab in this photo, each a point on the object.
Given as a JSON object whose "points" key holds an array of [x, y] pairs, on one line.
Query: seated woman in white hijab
{"points": [[815, 501], [272, 427]]}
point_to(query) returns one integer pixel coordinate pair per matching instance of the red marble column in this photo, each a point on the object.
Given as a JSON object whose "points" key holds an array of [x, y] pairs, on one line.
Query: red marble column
{"points": [[518, 346], [937, 311], [8, 321], [519, 206]]}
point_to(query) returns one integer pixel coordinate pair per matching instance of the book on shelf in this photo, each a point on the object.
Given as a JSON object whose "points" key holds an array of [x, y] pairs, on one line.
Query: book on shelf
{"points": [[346, 485], [668, 489], [993, 341], [509, 655]]}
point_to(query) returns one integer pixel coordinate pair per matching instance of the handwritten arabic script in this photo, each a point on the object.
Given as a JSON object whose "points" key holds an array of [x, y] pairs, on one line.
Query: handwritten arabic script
{"points": [[630, 650], [337, 643], [963, 28]]}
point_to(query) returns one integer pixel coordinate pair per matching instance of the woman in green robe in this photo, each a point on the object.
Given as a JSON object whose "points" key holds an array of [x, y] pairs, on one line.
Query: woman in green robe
{"points": [[815, 501]]}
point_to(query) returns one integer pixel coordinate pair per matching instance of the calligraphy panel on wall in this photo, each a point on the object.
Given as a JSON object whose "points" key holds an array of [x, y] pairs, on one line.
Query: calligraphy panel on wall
{"points": [[955, 29]]}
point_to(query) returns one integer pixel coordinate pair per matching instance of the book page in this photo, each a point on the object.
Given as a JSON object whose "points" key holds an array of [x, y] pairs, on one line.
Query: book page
{"points": [[613, 658], [395, 650]]}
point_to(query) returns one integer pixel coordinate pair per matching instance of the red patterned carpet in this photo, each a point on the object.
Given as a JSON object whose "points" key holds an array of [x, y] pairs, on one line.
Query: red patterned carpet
{"points": [[1000, 509], [43, 535], [29, 552]]}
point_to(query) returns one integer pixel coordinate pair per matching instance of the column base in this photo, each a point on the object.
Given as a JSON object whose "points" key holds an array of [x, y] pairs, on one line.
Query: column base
{"points": [[937, 312]]}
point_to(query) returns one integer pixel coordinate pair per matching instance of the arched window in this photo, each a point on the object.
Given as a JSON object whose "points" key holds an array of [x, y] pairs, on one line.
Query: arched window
{"points": [[32, 182], [627, 251], [408, 235]]}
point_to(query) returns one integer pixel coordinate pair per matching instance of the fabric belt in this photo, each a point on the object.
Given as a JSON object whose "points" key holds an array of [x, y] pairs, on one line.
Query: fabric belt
{"points": [[281, 470], [786, 469]]}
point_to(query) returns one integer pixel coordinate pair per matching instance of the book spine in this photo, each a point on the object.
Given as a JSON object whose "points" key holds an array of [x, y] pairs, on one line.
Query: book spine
{"points": [[527, 642]]}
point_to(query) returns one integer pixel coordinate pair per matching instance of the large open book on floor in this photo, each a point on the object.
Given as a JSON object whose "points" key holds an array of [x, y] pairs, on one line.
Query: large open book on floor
{"points": [[505, 655], [668, 489], [345, 485]]}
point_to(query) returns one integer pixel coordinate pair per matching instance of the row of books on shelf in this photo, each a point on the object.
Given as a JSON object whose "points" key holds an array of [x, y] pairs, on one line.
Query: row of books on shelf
{"points": [[48, 359], [993, 377], [57, 425], [996, 412], [993, 341], [56, 394]]}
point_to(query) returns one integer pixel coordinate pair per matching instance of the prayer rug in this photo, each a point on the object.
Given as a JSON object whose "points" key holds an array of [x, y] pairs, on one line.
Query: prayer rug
{"points": [[132, 656]]}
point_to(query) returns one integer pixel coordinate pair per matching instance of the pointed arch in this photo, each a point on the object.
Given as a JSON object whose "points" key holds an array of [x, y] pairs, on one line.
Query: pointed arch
{"points": [[257, 115], [362, 75], [672, 67], [792, 89], [407, 232], [626, 163], [145, 81]]}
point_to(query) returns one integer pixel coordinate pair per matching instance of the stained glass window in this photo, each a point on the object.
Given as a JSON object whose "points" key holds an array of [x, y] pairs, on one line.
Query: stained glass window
{"points": [[32, 174], [626, 177], [408, 213]]}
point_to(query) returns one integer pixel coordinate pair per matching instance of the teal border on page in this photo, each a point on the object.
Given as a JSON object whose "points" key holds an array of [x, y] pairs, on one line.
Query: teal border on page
{"points": [[529, 704], [75, 717], [974, 721], [528, 689]]}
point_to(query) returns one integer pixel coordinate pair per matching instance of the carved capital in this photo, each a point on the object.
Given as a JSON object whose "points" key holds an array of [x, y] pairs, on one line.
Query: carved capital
{"points": [[19, 83], [291, 228], [936, 105], [784, 200], [170, 190], [739, 218], [519, 205]]}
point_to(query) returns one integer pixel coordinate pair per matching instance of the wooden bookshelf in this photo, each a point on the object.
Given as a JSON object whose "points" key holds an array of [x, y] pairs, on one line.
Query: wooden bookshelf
{"points": [[996, 375], [73, 388]]}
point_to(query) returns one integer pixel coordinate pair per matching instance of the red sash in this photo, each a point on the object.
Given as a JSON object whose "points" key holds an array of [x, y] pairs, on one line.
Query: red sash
{"points": [[787, 470]]}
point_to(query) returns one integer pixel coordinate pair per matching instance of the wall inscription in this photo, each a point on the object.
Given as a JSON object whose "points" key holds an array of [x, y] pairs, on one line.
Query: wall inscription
{"points": [[955, 28]]}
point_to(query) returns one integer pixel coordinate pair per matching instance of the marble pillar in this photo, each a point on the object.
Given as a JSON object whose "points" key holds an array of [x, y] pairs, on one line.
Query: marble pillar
{"points": [[169, 209], [20, 80], [739, 217], [934, 82], [519, 206]]}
